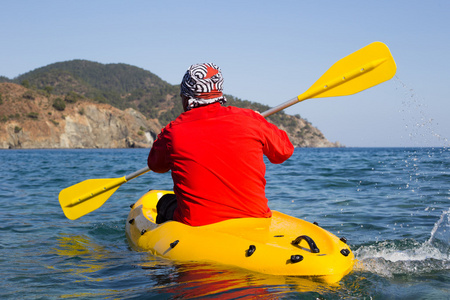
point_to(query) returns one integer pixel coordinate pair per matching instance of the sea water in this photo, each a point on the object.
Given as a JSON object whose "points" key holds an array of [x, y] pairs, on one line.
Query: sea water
{"points": [[392, 205]]}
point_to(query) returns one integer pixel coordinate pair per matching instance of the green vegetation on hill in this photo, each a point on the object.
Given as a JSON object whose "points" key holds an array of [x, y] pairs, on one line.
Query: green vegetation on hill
{"points": [[122, 86], [4, 79]]}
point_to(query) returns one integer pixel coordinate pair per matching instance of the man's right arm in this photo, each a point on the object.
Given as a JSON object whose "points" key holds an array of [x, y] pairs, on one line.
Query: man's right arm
{"points": [[157, 159]]}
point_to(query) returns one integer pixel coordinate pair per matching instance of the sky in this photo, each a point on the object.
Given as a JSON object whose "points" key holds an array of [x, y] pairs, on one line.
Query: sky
{"points": [[269, 52]]}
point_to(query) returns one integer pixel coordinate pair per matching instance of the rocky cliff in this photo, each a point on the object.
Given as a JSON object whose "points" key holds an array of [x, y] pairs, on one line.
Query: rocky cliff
{"points": [[31, 118]]}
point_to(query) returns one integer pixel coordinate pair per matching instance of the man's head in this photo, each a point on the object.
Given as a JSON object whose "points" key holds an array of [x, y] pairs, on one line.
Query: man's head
{"points": [[202, 84]]}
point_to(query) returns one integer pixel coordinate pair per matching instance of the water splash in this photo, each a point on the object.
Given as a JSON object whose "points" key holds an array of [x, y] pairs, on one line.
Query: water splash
{"points": [[440, 235], [418, 124], [409, 257]]}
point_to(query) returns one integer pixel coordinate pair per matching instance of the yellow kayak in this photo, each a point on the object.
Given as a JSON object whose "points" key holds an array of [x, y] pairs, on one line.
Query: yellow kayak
{"points": [[280, 245]]}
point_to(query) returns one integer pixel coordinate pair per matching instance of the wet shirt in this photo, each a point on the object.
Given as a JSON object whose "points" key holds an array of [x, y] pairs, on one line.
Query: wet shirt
{"points": [[215, 154]]}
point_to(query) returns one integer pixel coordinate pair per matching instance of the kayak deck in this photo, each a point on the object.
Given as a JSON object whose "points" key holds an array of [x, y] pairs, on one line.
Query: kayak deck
{"points": [[280, 245]]}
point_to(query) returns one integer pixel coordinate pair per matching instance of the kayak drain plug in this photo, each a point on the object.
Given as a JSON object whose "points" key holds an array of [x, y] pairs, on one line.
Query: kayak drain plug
{"points": [[251, 250], [296, 258], [172, 245]]}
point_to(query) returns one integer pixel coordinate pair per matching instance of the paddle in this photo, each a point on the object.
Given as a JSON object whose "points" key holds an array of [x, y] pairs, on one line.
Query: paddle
{"points": [[84, 197], [354, 73]]}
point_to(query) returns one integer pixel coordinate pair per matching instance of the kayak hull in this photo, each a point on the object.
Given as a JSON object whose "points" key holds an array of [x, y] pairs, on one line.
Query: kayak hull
{"points": [[280, 245]]}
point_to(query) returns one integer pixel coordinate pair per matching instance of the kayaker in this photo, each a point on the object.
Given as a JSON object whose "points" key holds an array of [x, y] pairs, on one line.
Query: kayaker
{"points": [[215, 154]]}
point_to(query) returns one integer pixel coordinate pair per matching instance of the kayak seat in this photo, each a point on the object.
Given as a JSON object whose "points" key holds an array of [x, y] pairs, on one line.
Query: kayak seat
{"points": [[165, 208]]}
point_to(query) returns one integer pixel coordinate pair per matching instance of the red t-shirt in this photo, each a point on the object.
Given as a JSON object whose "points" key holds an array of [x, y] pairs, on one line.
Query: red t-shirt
{"points": [[215, 154]]}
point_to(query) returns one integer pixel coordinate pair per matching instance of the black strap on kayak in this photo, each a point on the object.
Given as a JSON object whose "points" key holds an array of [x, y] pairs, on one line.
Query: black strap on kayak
{"points": [[311, 243]]}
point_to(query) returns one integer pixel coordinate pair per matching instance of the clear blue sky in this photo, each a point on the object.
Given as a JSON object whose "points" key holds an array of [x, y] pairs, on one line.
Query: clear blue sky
{"points": [[269, 52]]}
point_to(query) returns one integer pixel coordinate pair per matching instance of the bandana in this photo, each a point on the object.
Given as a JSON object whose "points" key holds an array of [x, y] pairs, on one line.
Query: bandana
{"points": [[203, 84]]}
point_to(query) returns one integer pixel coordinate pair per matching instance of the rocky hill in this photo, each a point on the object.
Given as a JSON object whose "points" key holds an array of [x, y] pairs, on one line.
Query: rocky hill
{"points": [[81, 104]]}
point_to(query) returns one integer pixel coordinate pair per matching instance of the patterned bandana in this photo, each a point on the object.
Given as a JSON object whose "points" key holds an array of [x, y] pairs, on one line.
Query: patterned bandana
{"points": [[203, 84]]}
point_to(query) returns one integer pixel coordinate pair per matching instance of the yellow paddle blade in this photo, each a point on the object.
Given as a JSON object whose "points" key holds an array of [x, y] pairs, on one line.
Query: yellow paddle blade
{"points": [[74, 199], [356, 72]]}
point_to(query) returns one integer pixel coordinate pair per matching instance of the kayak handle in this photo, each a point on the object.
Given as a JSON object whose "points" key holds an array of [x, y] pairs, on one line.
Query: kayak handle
{"points": [[312, 245], [251, 250]]}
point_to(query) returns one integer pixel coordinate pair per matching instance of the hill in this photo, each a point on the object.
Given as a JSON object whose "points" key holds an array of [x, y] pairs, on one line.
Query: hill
{"points": [[57, 91], [121, 85]]}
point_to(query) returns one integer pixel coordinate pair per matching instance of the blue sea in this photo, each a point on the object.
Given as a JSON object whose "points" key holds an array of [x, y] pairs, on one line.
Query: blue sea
{"points": [[392, 205]]}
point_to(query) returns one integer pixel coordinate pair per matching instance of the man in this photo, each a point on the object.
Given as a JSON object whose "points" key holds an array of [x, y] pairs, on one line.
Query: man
{"points": [[215, 154]]}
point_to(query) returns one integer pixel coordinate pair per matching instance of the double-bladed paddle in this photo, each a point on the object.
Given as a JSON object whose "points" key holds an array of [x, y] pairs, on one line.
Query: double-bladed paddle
{"points": [[354, 73]]}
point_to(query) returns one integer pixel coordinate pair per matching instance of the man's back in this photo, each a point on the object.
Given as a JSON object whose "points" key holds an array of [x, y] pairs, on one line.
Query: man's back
{"points": [[216, 157]]}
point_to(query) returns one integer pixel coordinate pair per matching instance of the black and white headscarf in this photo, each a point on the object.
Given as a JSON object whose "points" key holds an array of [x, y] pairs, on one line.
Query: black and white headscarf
{"points": [[203, 84]]}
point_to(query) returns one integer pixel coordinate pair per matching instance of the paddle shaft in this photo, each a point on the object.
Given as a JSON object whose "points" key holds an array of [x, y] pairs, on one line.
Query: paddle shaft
{"points": [[137, 173]]}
